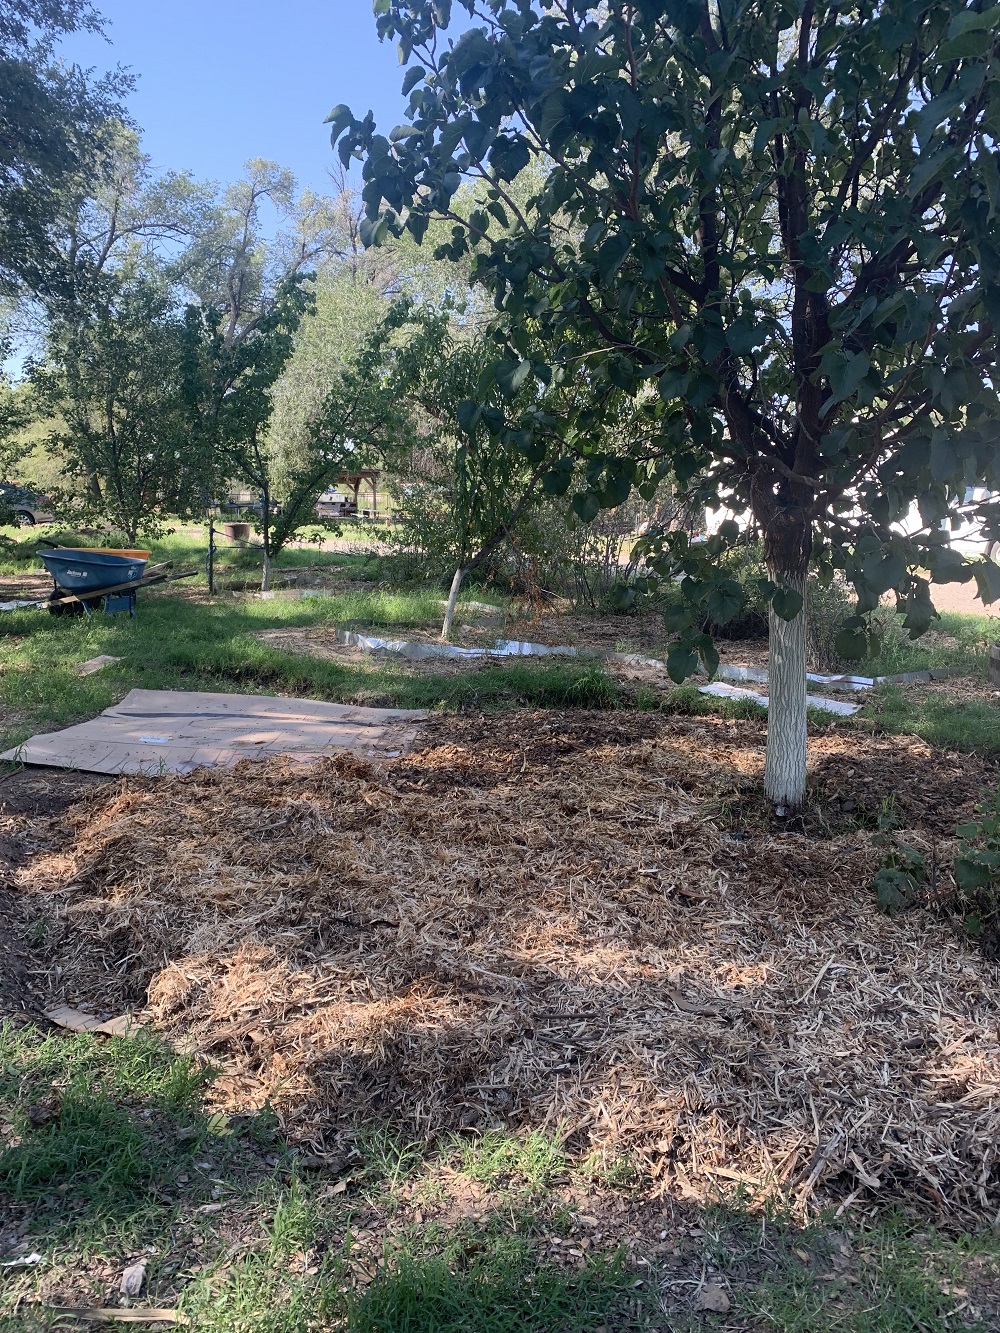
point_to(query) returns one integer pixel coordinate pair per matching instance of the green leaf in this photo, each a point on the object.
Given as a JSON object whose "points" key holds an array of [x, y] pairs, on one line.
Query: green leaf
{"points": [[743, 337], [895, 890], [621, 372], [726, 601], [586, 506], [709, 654], [970, 44], [622, 597], [787, 603], [412, 78], [918, 609], [611, 256], [970, 874], [673, 383], [729, 530], [681, 662], [468, 413], [702, 390], [339, 118], [987, 575], [509, 155], [511, 375], [970, 20], [556, 482], [617, 488], [851, 644], [845, 375], [678, 618]]}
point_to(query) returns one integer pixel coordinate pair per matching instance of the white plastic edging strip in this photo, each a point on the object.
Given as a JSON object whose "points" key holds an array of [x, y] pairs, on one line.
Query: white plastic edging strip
{"points": [[720, 690]]}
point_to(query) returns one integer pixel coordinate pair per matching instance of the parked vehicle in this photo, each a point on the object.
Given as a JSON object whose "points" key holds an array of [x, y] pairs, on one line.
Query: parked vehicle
{"points": [[327, 508], [28, 506]]}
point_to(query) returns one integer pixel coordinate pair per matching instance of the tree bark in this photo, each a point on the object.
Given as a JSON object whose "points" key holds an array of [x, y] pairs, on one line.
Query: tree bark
{"points": [[449, 610], [785, 764], [265, 582]]}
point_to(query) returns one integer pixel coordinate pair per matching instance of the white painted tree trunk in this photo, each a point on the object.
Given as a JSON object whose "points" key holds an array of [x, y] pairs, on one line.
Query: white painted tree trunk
{"points": [[265, 583], [785, 765], [449, 610]]}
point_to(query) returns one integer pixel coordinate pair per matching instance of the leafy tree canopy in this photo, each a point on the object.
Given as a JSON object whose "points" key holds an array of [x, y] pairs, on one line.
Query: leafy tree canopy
{"points": [[778, 220], [53, 116], [775, 222]]}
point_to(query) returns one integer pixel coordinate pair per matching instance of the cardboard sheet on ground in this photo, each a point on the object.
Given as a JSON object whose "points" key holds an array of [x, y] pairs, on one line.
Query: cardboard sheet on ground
{"points": [[174, 731]]}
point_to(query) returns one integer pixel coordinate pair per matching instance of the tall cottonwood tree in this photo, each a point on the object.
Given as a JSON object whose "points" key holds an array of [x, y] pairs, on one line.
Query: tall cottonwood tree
{"points": [[53, 117], [782, 213]]}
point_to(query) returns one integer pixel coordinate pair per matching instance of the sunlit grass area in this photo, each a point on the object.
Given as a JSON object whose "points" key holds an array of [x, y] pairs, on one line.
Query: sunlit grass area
{"points": [[174, 643]]}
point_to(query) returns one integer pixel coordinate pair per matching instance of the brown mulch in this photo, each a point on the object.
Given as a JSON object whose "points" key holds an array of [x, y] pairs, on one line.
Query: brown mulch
{"points": [[30, 802], [550, 921]]}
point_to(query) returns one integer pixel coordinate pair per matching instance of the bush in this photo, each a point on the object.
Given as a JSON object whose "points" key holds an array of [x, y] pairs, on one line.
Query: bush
{"points": [[826, 610], [549, 551], [903, 880], [585, 562], [977, 876], [744, 562]]}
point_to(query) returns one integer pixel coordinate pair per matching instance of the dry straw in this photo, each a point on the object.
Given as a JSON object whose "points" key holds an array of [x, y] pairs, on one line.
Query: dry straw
{"points": [[550, 921]]}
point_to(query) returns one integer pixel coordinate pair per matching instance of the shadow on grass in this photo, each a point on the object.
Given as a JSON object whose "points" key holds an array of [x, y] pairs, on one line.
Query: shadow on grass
{"points": [[112, 1154]]}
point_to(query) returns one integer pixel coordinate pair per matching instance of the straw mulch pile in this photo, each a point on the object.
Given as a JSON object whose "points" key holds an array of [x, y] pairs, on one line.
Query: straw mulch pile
{"points": [[550, 920]]}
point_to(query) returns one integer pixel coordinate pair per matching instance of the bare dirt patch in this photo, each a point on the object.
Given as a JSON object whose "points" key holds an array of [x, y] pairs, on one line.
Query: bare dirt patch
{"points": [[545, 921], [24, 587]]}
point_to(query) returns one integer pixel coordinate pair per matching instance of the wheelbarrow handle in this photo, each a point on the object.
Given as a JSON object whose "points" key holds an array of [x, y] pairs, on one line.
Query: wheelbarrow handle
{"points": [[44, 541]]}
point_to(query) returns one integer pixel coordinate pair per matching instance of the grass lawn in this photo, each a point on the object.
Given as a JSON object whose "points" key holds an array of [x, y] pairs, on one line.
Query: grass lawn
{"points": [[186, 641], [117, 1159]]}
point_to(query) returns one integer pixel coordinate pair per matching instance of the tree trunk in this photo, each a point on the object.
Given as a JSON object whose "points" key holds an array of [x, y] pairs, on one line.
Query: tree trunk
{"points": [[265, 582], [449, 610], [785, 764]]}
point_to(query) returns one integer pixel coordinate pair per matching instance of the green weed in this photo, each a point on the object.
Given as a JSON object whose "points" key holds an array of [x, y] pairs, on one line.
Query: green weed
{"points": [[499, 1158]]}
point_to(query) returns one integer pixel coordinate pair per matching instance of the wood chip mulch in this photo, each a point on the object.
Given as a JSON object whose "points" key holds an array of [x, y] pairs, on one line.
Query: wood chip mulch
{"points": [[552, 921]]}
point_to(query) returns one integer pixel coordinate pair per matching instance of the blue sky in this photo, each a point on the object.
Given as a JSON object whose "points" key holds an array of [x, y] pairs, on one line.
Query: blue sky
{"points": [[224, 80]]}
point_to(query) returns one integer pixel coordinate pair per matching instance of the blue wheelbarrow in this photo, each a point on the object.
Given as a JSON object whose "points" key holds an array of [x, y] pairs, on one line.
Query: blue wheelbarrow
{"points": [[87, 579]]}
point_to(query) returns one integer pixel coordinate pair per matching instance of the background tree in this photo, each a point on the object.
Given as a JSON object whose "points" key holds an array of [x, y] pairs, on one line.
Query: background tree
{"points": [[115, 375], [230, 377], [783, 214], [53, 116], [364, 418], [494, 456]]}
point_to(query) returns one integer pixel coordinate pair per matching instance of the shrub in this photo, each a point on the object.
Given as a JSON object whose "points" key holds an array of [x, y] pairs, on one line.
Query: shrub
{"points": [[903, 880], [587, 561], [977, 875]]}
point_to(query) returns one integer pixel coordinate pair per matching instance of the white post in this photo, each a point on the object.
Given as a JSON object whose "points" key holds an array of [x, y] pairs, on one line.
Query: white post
{"points": [[785, 764]]}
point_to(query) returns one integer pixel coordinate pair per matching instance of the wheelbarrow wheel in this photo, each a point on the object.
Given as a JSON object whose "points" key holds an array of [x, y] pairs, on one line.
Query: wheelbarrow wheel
{"points": [[62, 606]]}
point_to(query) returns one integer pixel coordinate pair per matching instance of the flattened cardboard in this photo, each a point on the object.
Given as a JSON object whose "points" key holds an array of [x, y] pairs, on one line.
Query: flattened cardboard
{"points": [[174, 731]]}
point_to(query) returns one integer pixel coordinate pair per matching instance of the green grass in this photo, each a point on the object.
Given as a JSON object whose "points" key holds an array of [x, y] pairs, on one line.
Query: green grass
{"points": [[970, 635], [497, 1158], [127, 1157], [972, 726], [187, 546], [97, 1126], [180, 644]]}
